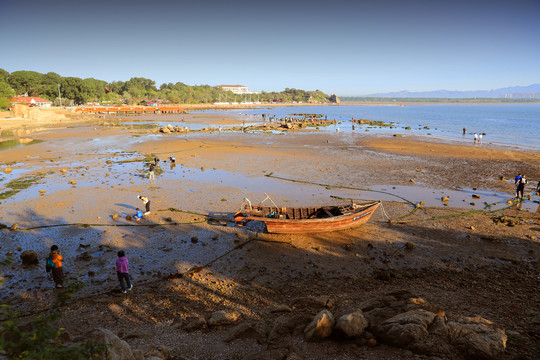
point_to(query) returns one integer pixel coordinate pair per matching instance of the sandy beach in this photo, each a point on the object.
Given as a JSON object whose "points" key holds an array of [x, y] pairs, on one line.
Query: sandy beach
{"points": [[86, 177]]}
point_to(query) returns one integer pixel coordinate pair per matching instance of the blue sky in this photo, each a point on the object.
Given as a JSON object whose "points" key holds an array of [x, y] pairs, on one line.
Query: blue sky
{"points": [[344, 47]]}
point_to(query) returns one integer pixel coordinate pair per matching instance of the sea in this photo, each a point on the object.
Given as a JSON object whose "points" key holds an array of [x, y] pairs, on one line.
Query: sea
{"points": [[505, 125]]}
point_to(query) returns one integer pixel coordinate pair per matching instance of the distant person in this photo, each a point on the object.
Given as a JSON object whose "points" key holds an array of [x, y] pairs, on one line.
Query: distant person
{"points": [[521, 187], [138, 214], [516, 181], [352, 127], [172, 159], [156, 160], [146, 203], [480, 138], [538, 187], [475, 137], [57, 270], [464, 131], [152, 173], [122, 271]]}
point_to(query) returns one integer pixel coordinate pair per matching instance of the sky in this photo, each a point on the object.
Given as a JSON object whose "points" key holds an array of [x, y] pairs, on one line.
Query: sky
{"points": [[350, 48]]}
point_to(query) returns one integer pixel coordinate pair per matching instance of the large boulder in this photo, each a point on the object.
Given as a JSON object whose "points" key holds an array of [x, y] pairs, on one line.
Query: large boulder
{"points": [[321, 327], [117, 349], [406, 328], [477, 338], [29, 257]]}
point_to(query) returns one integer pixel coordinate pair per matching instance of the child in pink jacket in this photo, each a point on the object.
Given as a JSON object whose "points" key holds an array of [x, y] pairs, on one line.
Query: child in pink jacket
{"points": [[122, 270]]}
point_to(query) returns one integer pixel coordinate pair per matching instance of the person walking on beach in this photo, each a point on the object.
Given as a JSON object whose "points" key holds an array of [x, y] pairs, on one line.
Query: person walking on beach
{"points": [[57, 270], [521, 187], [151, 173], [122, 271], [516, 181], [146, 203]]}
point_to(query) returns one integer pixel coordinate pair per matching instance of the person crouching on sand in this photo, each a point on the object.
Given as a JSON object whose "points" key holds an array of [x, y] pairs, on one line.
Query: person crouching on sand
{"points": [[146, 203]]}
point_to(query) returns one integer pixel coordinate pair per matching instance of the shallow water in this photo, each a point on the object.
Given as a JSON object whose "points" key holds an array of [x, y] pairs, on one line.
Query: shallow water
{"points": [[510, 125]]}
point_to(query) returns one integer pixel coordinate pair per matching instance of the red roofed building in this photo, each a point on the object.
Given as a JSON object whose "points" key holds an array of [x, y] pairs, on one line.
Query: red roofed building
{"points": [[31, 101]]}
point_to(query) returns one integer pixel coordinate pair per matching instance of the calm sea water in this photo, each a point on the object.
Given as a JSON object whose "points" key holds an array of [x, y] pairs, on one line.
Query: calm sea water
{"points": [[504, 125]]}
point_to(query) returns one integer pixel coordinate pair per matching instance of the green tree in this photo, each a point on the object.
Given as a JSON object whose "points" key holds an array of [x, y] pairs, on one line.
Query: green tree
{"points": [[3, 75], [6, 93], [25, 82]]}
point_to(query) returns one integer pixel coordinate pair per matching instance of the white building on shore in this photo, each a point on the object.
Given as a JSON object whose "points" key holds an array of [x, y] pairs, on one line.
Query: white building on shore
{"points": [[237, 89]]}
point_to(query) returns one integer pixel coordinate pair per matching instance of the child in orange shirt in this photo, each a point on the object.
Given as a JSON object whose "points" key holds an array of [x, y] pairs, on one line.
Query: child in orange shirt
{"points": [[58, 270]]}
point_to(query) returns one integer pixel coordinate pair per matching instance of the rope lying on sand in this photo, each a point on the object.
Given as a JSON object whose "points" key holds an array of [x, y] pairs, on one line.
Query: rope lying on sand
{"points": [[416, 207]]}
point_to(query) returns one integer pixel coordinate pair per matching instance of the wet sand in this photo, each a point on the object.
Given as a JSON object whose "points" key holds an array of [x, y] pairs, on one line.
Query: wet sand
{"points": [[214, 172]]}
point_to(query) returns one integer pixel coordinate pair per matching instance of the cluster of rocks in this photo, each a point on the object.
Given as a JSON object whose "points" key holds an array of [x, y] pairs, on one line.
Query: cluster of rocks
{"points": [[398, 319], [119, 349], [172, 129]]}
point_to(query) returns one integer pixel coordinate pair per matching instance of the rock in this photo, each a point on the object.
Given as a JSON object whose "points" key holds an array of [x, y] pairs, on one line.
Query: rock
{"points": [[165, 130], [313, 301], [64, 171], [321, 327], [72, 182], [243, 331], [193, 323], [223, 317], [474, 196], [405, 328], [129, 217], [7, 170], [409, 245], [477, 338], [445, 198], [117, 349], [371, 342], [114, 217], [351, 325], [29, 257], [14, 227], [138, 334], [159, 352], [270, 354], [334, 98]]}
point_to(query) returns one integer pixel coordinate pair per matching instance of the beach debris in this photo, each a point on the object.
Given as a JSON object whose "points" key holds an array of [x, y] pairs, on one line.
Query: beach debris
{"points": [[419, 170], [505, 220], [29, 257], [411, 180], [42, 192], [474, 196], [502, 178], [445, 198], [397, 135], [72, 182]]}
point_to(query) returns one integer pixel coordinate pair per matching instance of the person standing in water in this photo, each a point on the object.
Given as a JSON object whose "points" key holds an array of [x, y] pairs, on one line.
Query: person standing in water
{"points": [[521, 187]]}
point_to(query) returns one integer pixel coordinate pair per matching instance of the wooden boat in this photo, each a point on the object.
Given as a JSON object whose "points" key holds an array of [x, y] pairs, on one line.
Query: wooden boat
{"points": [[297, 220]]}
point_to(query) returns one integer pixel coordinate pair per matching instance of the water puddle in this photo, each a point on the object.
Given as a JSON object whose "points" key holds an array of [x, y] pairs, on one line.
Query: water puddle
{"points": [[14, 143]]}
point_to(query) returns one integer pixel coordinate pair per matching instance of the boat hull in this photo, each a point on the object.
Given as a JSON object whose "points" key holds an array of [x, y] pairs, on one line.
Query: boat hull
{"points": [[301, 226]]}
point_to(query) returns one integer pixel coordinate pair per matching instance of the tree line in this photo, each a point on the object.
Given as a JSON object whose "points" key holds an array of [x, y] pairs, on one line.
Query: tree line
{"points": [[77, 91]]}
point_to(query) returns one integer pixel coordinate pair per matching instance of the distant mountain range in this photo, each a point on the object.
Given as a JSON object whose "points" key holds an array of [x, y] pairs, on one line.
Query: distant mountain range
{"points": [[514, 92]]}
